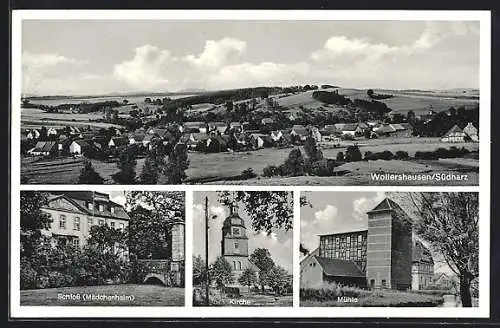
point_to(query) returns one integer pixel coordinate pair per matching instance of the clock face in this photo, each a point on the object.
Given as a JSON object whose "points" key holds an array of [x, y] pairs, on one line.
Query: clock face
{"points": [[236, 231]]}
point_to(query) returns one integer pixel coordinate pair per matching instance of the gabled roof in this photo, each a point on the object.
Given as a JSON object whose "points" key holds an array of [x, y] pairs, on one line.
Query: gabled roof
{"points": [[339, 268], [45, 146], [420, 253], [82, 143], [119, 141], [386, 205], [350, 127], [387, 128], [299, 129], [454, 129]]}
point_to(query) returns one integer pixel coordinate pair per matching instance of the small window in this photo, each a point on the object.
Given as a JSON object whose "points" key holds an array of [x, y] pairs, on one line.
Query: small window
{"points": [[236, 245], [234, 265], [360, 238], [112, 225], [76, 224], [112, 210], [348, 239], [62, 222], [91, 206], [101, 208], [384, 283], [337, 240], [336, 254], [76, 242], [359, 253], [101, 222], [372, 283], [347, 253]]}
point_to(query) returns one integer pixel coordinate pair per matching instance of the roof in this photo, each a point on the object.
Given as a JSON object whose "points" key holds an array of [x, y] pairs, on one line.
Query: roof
{"points": [[45, 146], [137, 136], [398, 127], [119, 141], [387, 128], [148, 137], [81, 198], [420, 253], [339, 268], [330, 129], [228, 220], [454, 129], [194, 124], [350, 127], [344, 232], [299, 129], [267, 120], [386, 205]]}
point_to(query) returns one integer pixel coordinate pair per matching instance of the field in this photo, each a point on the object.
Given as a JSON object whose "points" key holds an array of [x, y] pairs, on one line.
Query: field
{"points": [[79, 100], [224, 168], [36, 118], [137, 295]]}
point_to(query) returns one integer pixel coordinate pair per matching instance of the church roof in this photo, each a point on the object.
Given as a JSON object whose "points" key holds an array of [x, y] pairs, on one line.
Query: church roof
{"points": [[229, 220], [339, 268]]}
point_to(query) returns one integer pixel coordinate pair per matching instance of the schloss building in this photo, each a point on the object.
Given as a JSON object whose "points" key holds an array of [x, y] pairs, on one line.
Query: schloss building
{"points": [[386, 255]]}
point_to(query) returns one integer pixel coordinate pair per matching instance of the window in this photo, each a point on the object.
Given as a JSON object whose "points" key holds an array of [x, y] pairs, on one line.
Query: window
{"points": [[347, 253], [62, 222], [236, 248], [91, 206], [372, 283], [236, 245], [112, 225], [90, 222], [360, 238], [76, 242], [121, 226], [336, 254], [101, 222], [384, 283], [76, 224], [101, 208], [112, 209], [348, 239], [236, 231], [234, 265], [239, 265], [337, 240], [359, 253]]}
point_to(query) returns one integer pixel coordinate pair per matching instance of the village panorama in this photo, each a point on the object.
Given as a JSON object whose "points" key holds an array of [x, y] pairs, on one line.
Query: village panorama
{"points": [[287, 135]]}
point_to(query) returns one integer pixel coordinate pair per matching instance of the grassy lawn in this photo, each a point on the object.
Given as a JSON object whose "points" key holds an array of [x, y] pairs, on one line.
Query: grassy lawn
{"points": [[246, 299], [136, 295], [386, 298]]}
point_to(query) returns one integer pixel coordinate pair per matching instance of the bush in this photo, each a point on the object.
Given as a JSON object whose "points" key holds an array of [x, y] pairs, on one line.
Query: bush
{"points": [[330, 292], [368, 156], [270, 171], [323, 168], [28, 275], [353, 154], [347, 137], [248, 174], [340, 156], [401, 155]]}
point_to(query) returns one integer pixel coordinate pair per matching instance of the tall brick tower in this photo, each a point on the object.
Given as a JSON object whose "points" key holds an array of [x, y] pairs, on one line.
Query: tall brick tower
{"points": [[389, 247], [177, 264], [234, 243]]}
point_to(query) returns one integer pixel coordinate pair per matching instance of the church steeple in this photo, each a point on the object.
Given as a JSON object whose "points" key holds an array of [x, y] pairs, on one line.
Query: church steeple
{"points": [[234, 238]]}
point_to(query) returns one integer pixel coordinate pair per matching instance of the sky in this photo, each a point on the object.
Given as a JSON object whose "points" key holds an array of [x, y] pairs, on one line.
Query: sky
{"points": [[98, 57], [279, 244], [335, 212]]}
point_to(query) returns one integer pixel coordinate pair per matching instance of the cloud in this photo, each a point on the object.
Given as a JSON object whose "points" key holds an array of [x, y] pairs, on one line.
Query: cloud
{"points": [[324, 221], [217, 53], [362, 205], [147, 69], [44, 60]]}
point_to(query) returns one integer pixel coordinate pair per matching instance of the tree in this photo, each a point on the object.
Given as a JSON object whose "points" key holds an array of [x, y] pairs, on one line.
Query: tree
{"points": [[175, 169], [369, 92], [150, 170], [126, 164], [88, 175], [294, 164], [151, 217], [32, 220], [448, 221], [107, 239], [221, 272], [268, 210], [353, 154], [199, 271], [340, 156], [278, 279], [261, 257], [229, 106], [248, 277], [312, 150]]}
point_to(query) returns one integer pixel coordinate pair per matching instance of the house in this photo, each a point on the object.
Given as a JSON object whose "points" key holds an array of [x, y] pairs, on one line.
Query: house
{"points": [[136, 138], [276, 135], [52, 132], [267, 121], [63, 143], [74, 213], [330, 130], [79, 147], [195, 127], [352, 129], [44, 148], [445, 281], [385, 130], [117, 142], [217, 127], [33, 134], [454, 135], [74, 131], [422, 270], [236, 126], [363, 125], [148, 138], [314, 132], [471, 131], [292, 117], [299, 131], [257, 140]]}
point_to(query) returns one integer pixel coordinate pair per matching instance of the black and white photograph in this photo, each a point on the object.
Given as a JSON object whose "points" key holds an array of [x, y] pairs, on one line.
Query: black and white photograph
{"points": [[89, 248], [389, 249], [243, 250], [250, 102]]}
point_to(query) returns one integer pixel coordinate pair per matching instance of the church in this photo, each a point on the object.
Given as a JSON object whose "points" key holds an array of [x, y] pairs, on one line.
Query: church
{"points": [[386, 255], [234, 245]]}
